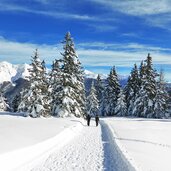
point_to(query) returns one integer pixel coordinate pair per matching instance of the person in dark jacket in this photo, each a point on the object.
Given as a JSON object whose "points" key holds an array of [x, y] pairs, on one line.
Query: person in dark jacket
{"points": [[97, 120], [88, 119]]}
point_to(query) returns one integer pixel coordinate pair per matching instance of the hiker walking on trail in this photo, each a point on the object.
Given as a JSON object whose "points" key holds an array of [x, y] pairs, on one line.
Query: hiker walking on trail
{"points": [[97, 120], [88, 119]]}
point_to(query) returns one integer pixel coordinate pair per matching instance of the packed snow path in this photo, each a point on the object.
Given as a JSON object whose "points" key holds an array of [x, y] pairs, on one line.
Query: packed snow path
{"points": [[93, 149]]}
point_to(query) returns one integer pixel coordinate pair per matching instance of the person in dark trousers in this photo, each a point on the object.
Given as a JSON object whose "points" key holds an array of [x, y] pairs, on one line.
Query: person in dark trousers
{"points": [[88, 119], [97, 120]]}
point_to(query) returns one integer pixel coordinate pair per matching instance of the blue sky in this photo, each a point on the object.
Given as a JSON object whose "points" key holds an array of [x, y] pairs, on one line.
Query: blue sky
{"points": [[106, 32]]}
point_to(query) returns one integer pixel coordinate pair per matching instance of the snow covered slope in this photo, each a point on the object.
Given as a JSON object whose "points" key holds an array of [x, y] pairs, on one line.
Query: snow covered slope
{"points": [[10, 72], [18, 132], [23, 139], [122, 144], [146, 142], [58, 144], [89, 74], [93, 149]]}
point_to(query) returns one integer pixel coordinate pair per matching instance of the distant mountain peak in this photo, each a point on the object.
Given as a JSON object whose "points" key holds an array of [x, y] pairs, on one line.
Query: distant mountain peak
{"points": [[90, 74], [10, 72]]}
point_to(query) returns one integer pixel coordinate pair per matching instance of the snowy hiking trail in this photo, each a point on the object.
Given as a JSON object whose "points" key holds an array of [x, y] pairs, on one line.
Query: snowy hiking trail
{"points": [[92, 149]]}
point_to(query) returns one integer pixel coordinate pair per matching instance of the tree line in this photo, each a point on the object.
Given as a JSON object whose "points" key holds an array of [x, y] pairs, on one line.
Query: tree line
{"points": [[61, 91], [144, 95]]}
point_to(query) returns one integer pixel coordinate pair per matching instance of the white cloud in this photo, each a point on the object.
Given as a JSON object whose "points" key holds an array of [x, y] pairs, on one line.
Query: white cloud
{"points": [[149, 10], [131, 34], [162, 21], [119, 58], [16, 52], [92, 54], [138, 7], [144, 7], [155, 13], [43, 1], [130, 47], [102, 27], [48, 12]]}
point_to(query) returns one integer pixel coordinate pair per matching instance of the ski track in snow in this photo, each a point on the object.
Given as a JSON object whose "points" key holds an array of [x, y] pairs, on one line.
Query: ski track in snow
{"points": [[114, 159], [92, 150]]}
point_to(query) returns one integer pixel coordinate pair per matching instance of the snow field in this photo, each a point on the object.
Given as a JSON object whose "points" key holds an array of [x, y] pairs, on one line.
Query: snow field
{"points": [[123, 159], [44, 149], [18, 132], [145, 142], [68, 144], [24, 158], [84, 152], [94, 149]]}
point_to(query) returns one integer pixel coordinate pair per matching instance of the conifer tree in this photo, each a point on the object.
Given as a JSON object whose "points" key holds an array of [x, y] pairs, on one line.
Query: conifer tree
{"points": [[73, 91], [161, 99], [120, 108], [92, 101], [100, 94], [139, 104], [45, 94], [25, 101], [55, 85], [144, 103], [3, 104], [132, 89], [34, 100], [112, 91], [15, 103]]}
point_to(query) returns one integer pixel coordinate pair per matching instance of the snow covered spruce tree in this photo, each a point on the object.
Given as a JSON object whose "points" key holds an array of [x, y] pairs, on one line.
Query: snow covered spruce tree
{"points": [[92, 101], [16, 101], [161, 99], [45, 97], [55, 86], [34, 100], [132, 89], [112, 91], [121, 109], [3, 104], [139, 104], [24, 101], [100, 93], [72, 92], [144, 103]]}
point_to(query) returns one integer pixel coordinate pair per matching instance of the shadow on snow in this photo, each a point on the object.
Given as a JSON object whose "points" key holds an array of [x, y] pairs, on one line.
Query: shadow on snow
{"points": [[114, 160], [13, 114]]}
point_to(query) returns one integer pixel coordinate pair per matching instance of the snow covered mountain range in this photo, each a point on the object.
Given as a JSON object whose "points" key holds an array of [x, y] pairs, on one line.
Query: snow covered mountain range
{"points": [[13, 78], [89, 74], [11, 73]]}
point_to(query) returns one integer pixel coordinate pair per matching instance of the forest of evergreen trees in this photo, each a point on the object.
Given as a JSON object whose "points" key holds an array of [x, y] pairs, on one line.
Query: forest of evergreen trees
{"points": [[144, 95], [61, 91]]}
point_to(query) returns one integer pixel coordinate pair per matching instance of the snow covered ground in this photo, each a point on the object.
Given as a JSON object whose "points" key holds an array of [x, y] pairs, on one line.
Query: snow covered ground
{"points": [[18, 132], [24, 139], [146, 142], [93, 149], [59, 144]]}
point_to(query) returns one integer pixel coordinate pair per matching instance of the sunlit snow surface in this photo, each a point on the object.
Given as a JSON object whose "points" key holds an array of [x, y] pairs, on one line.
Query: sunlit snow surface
{"points": [[147, 141], [10, 72], [67, 143]]}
